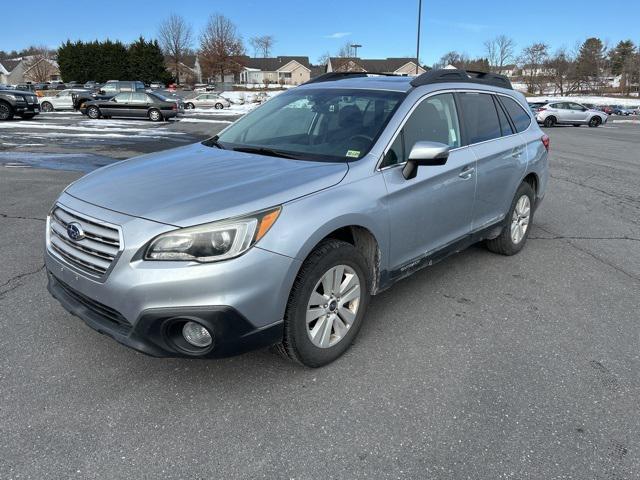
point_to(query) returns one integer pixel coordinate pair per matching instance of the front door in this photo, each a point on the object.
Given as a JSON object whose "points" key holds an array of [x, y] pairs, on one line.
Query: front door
{"points": [[433, 209]]}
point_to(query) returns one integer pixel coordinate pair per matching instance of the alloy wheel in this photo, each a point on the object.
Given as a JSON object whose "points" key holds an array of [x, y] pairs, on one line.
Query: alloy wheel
{"points": [[520, 219], [5, 112], [333, 306]]}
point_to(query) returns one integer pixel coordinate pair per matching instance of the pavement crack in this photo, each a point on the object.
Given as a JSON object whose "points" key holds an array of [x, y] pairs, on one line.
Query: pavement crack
{"points": [[627, 198], [578, 237], [4, 290], [4, 215], [592, 255]]}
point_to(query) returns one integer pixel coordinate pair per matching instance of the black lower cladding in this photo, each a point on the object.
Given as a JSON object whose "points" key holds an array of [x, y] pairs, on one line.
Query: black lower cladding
{"points": [[232, 332]]}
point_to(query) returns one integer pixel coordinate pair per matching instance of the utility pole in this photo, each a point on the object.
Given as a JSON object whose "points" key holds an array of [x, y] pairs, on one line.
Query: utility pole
{"points": [[355, 47], [418, 42]]}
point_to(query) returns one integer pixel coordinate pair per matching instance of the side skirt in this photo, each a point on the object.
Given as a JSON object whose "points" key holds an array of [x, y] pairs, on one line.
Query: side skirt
{"points": [[388, 278]]}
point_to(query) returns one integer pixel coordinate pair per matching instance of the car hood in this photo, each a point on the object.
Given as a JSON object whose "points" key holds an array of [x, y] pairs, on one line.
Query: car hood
{"points": [[198, 184]]}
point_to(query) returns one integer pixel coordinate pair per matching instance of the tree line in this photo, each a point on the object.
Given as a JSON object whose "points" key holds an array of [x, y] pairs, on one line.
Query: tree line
{"points": [[112, 60], [587, 68]]}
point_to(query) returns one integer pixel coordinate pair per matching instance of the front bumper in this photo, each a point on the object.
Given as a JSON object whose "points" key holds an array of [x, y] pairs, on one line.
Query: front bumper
{"points": [[27, 108], [242, 299], [157, 331]]}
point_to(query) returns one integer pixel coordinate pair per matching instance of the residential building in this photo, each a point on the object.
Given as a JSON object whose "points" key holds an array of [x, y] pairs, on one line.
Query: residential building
{"points": [[188, 71], [403, 66], [284, 70], [28, 69]]}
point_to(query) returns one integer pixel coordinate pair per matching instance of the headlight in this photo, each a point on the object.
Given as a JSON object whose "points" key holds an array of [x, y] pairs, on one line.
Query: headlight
{"points": [[17, 98], [213, 242]]}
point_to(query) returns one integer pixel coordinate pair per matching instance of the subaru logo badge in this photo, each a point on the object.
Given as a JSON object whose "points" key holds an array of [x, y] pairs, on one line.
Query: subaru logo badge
{"points": [[75, 232]]}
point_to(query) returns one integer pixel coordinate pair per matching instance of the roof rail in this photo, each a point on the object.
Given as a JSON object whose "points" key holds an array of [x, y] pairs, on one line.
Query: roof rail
{"points": [[461, 76], [331, 76]]}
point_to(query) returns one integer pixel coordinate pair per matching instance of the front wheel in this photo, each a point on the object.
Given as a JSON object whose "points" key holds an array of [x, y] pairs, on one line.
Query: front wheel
{"points": [[218, 106], [327, 304], [595, 122], [549, 122], [517, 223], [46, 106], [189, 106], [6, 112]]}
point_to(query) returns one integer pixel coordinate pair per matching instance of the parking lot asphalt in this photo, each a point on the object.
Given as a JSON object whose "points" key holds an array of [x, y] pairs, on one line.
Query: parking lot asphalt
{"points": [[481, 366]]}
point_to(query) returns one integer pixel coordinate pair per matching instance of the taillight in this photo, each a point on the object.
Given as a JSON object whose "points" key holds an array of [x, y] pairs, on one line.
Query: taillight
{"points": [[542, 109], [546, 142]]}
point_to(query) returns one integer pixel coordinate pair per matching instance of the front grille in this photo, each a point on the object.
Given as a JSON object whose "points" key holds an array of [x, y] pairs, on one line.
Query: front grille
{"points": [[95, 252], [102, 312]]}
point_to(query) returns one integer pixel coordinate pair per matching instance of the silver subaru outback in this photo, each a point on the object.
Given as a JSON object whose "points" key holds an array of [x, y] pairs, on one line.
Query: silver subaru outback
{"points": [[278, 230]]}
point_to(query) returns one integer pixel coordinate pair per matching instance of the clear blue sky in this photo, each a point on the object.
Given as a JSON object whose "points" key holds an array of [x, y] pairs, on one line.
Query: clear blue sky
{"points": [[383, 27]]}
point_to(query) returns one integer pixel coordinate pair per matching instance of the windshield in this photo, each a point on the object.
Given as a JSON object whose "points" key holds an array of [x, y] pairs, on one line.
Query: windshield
{"points": [[323, 124]]}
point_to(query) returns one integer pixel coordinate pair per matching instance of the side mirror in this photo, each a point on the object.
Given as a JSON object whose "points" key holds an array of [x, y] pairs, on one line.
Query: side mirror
{"points": [[426, 154]]}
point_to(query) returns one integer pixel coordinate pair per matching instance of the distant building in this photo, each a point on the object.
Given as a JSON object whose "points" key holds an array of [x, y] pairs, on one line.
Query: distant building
{"points": [[403, 66], [283, 70], [23, 69], [188, 70]]}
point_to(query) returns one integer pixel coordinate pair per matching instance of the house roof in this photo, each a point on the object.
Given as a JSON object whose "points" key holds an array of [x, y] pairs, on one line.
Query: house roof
{"points": [[380, 65], [9, 65], [188, 61], [271, 64]]}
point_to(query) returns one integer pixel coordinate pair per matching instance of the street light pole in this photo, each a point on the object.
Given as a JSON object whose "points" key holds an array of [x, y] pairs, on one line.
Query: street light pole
{"points": [[418, 42], [355, 47]]}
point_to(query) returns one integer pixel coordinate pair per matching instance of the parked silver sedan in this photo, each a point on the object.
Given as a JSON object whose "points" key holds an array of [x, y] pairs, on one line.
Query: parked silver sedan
{"points": [[207, 100], [569, 113]]}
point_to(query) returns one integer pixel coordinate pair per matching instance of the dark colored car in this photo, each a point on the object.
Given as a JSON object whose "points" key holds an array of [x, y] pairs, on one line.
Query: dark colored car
{"points": [[132, 104], [17, 102], [108, 91], [26, 87]]}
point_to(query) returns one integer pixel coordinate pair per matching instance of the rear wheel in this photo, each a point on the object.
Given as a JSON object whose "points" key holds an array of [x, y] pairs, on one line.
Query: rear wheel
{"points": [[595, 122], [46, 106], [155, 115], [93, 112], [189, 106], [327, 304], [6, 112], [517, 223], [550, 122]]}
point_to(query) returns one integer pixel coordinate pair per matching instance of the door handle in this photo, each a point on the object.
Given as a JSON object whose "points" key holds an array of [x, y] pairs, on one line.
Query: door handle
{"points": [[466, 173], [517, 154]]}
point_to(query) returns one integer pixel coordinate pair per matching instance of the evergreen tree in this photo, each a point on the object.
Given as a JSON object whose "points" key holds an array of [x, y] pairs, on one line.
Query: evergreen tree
{"points": [[146, 62], [591, 62]]}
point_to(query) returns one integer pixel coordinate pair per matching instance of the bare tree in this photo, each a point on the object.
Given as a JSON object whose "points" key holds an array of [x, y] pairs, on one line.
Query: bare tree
{"points": [[220, 46], [262, 45], [533, 59], [562, 68], [40, 66], [344, 51], [453, 58], [324, 58], [499, 51], [176, 38]]}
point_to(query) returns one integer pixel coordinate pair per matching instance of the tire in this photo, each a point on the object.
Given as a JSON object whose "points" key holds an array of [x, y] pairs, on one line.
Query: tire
{"points": [[6, 112], [595, 122], [297, 344], [550, 122], [511, 242], [218, 106], [189, 106], [93, 112], [46, 107], [155, 115]]}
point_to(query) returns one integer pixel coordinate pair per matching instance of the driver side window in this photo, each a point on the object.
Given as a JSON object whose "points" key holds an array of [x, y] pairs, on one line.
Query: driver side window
{"points": [[434, 120]]}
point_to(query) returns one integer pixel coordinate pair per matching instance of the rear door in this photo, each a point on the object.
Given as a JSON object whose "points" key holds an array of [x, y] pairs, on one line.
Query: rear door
{"points": [[139, 104], [433, 209], [501, 156]]}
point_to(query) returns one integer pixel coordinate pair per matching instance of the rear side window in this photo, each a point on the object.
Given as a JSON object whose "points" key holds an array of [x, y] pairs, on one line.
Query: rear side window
{"points": [[504, 121], [519, 117], [480, 117]]}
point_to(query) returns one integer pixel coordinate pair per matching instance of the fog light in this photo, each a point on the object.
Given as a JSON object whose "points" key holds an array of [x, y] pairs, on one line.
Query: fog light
{"points": [[196, 335]]}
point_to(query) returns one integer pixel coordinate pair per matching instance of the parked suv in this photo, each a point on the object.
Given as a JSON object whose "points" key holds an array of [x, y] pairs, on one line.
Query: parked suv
{"points": [[569, 113], [279, 229], [17, 102]]}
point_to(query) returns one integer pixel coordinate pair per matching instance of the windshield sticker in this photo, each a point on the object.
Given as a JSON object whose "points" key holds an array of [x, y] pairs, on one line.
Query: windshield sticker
{"points": [[353, 153]]}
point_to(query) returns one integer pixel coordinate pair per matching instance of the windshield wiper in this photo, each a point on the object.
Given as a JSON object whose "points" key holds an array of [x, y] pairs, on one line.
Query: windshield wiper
{"points": [[213, 142], [266, 151]]}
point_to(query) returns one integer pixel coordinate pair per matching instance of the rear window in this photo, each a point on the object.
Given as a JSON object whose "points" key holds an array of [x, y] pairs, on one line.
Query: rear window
{"points": [[519, 117], [480, 117]]}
